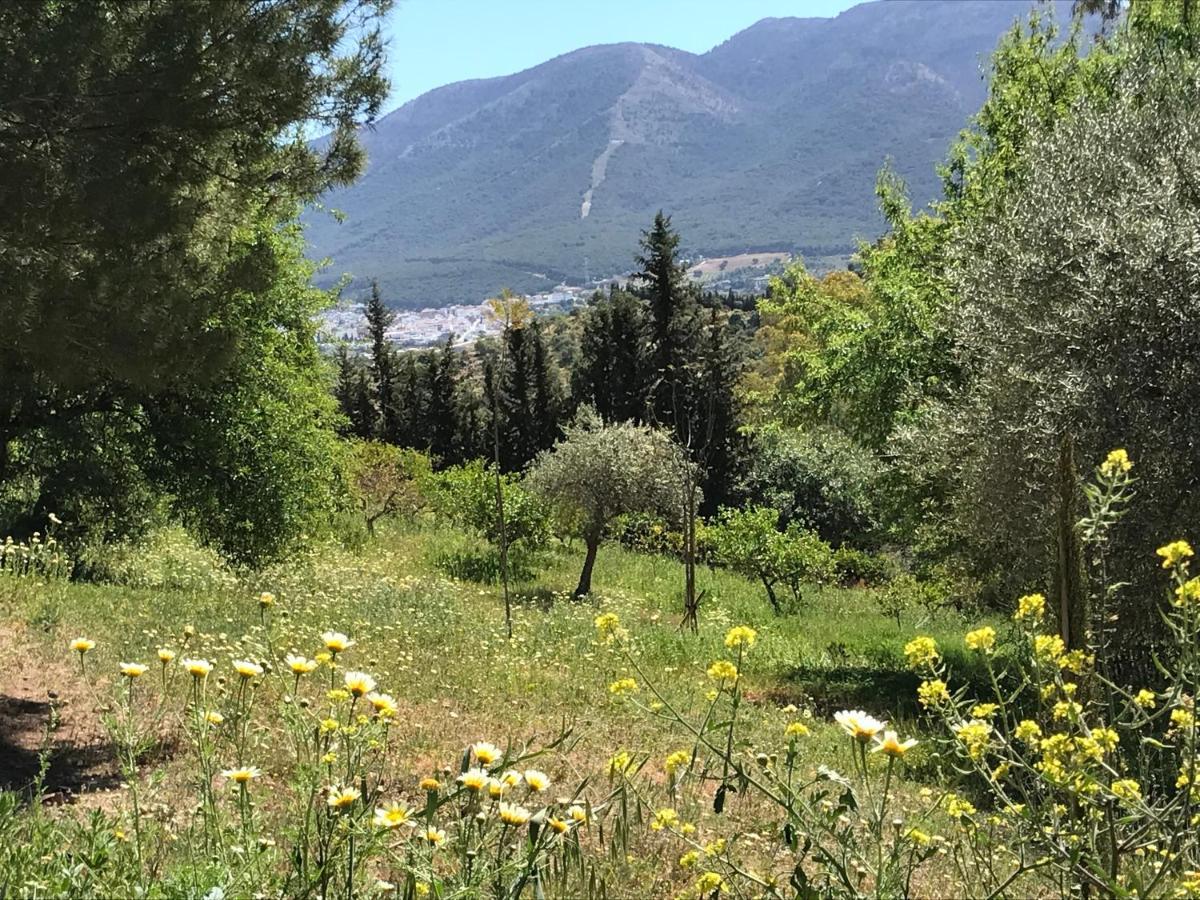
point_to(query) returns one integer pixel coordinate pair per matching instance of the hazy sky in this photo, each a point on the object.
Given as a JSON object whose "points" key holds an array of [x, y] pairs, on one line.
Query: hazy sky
{"points": [[435, 42]]}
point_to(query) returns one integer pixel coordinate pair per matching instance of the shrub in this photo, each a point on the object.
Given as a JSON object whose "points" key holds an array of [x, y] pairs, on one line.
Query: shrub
{"points": [[818, 478], [749, 542]]}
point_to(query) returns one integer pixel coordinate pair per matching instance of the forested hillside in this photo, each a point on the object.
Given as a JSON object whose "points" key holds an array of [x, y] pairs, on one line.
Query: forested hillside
{"points": [[770, 141]]}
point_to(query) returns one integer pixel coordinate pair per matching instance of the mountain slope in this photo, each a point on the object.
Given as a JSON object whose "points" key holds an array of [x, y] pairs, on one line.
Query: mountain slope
{"points": [[771, 140]]}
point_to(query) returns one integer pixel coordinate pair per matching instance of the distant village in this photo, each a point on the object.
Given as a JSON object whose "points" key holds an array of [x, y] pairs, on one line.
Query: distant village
{"points": [[412, 328]]}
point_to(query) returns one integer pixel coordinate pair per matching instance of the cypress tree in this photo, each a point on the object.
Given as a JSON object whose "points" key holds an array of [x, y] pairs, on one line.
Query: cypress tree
{"points": [[613, 369], [547, 393], [662, 278], [379, 319]]}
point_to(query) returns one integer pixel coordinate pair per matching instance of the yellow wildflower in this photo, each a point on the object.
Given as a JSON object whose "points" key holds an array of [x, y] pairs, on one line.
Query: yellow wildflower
{"points": [[797, 729], [1126, 789], [921, 651], [433, 836], [1117, 462], [557, 825], [537, 781], [608, 627], [982, 639], [723, 671], [689, 859], [299, 665], [741, 636], [82, 645], [1145, 699], [577, 813], [619, 764], [677, 760], [1175, 553], [511, 814], [1048, 647], [247, 669], [336, 642], [931, 693], [957, 807], [859, 725], [665, 818], [710, 882], [984, 710], [1031, 606], [266, 599], [383, 704], [243, 775], [622, 687], [165, 656], [212, 717], [197, 668], [133, 670], [359, 683], [486, 753], [474, 780], [1027, 731], [1188, 593], [429, 784], [891, 745], [975, 736]]}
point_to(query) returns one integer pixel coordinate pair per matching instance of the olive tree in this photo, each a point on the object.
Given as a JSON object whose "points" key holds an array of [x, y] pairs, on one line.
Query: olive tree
{"points": [[598, 472], [1080, 298]]}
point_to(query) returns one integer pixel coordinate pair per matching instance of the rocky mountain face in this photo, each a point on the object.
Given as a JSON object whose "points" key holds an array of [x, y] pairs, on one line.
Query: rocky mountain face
{"points": [[769, 141]]}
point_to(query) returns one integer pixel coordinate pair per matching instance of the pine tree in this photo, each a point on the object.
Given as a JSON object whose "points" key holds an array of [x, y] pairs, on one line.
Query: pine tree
{"points": [[383, 366]]}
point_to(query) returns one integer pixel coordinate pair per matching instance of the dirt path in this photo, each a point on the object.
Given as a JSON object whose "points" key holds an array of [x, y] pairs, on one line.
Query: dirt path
{"points": [[47, 709]]}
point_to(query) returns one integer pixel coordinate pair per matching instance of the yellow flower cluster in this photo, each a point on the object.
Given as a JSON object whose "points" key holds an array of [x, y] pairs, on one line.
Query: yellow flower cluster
{"points": [[1175, 554], [741, 636], [622, 687], [921, 651], [975, 736], [932, 693], [1030, 607], [723, 671], [1116, 463], [982, 640], [608, 628]]}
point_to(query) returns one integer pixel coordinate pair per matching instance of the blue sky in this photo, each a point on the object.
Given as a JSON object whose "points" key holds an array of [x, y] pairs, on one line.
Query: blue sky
{"points": [[435, 42]]}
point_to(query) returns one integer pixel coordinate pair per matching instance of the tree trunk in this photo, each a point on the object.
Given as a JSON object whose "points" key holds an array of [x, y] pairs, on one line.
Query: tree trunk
{"points": [[585, 577], [771, 596]]}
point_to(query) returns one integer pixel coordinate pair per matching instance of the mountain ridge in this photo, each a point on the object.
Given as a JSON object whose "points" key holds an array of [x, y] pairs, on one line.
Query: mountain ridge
{"points": [[772, 139]]}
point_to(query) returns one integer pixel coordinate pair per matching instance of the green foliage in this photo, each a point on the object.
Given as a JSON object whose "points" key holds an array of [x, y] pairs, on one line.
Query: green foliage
{"points": [[1077, 303], [466, 495], [388, 481], [817, 478], [750, 542], [251, 459], [157, 343], [612, 371]]}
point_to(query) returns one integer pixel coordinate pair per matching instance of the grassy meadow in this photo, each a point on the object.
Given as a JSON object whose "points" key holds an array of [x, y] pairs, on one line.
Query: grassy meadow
{"points": [[438, 647]]}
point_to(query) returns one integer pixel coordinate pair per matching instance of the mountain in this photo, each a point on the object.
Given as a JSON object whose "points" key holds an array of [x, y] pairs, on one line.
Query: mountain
{"points": [[769, 141]]}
